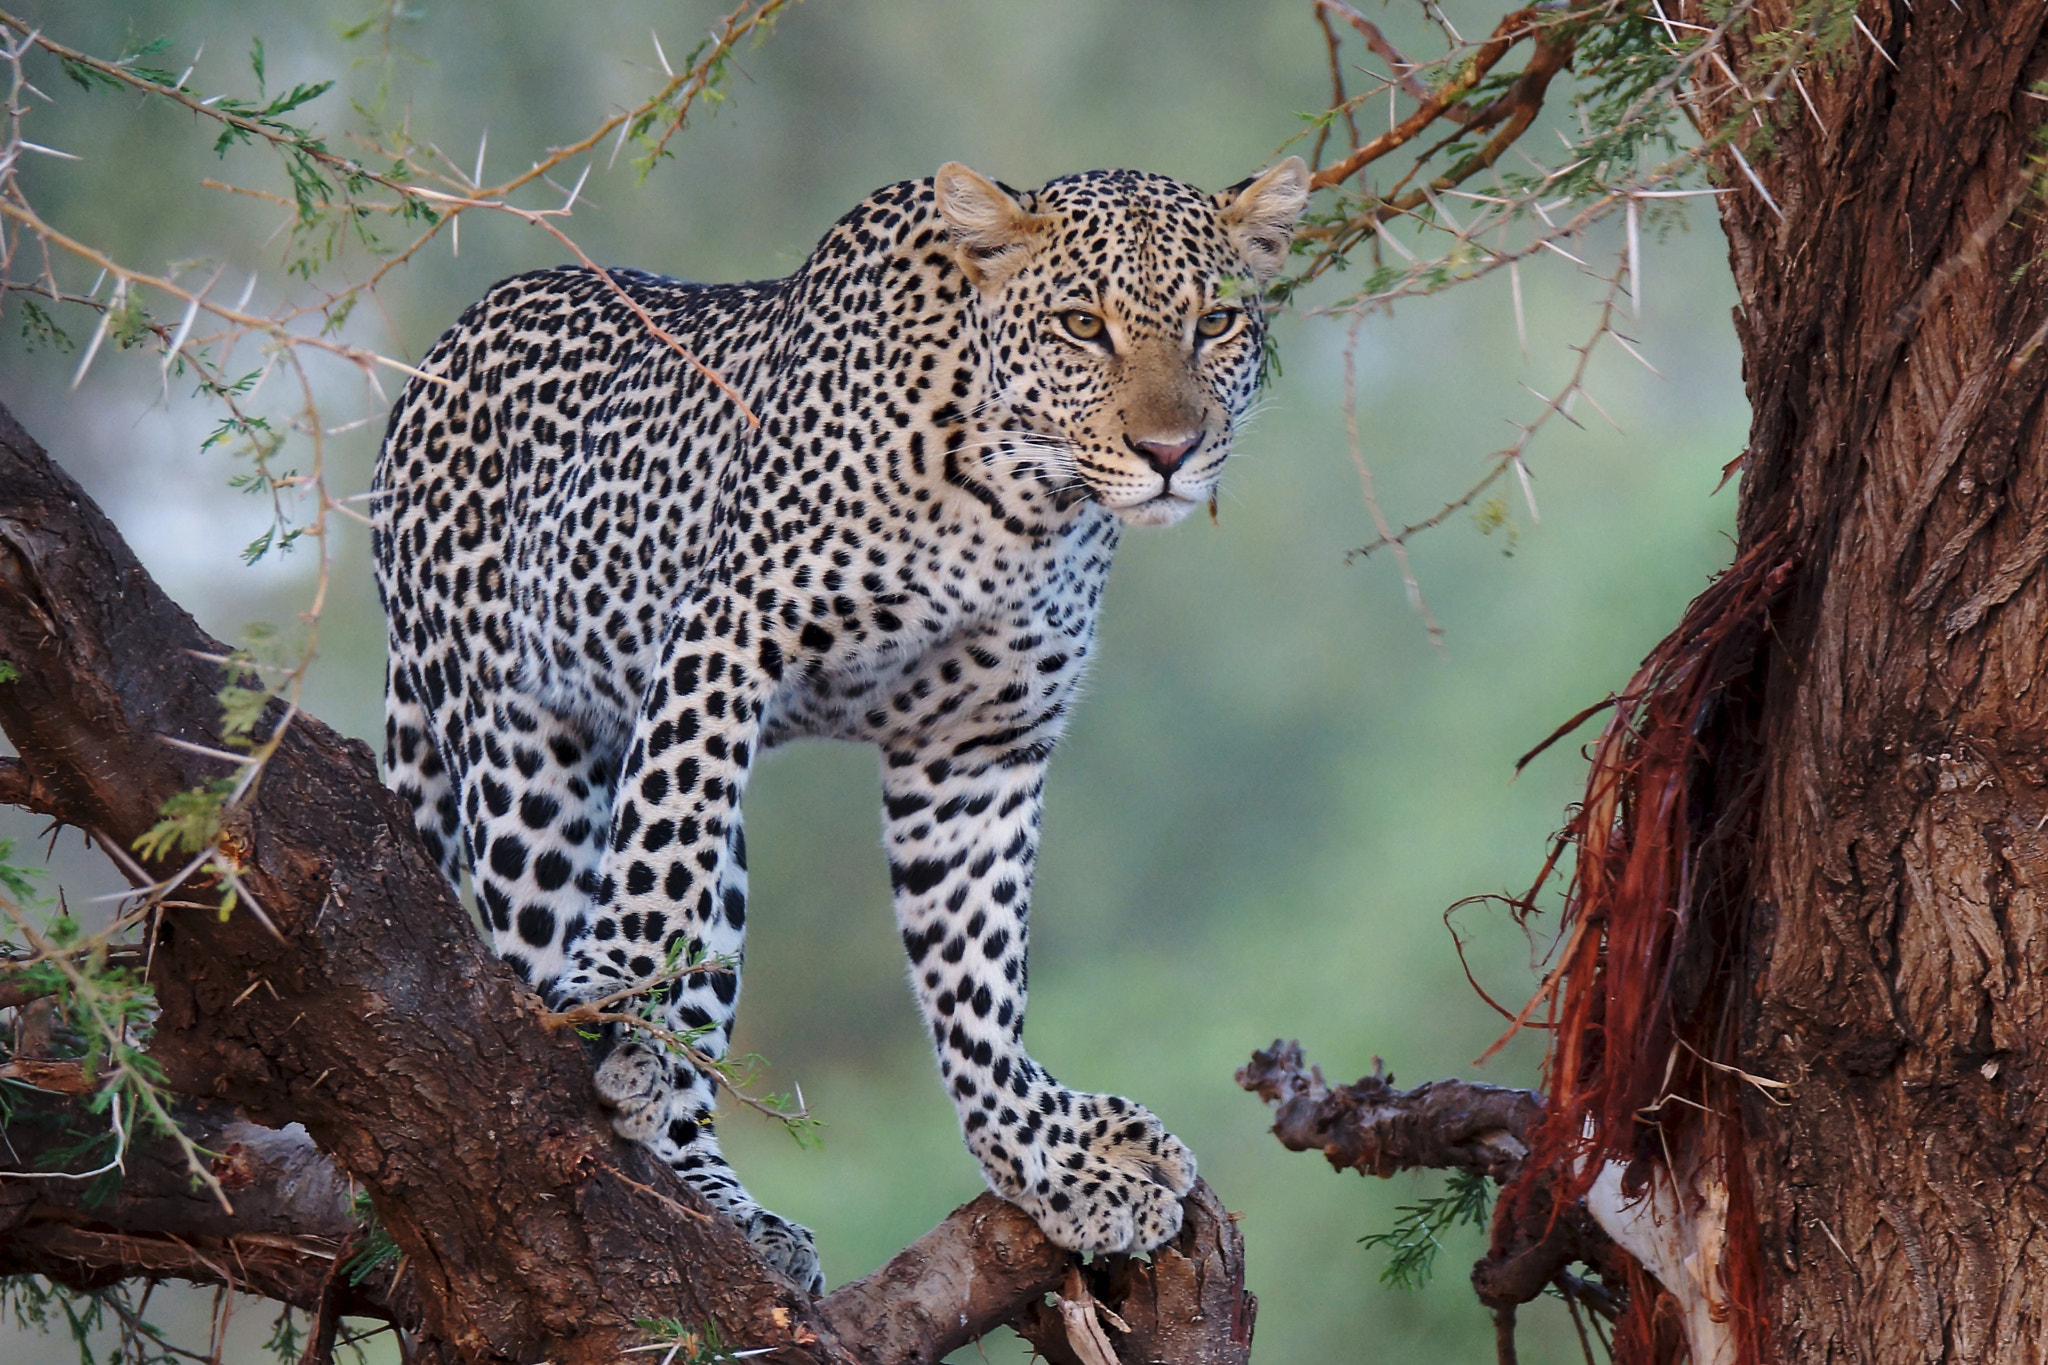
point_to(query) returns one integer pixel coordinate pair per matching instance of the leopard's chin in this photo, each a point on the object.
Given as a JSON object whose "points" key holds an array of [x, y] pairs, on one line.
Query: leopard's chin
{"points": [[1162, 510]]}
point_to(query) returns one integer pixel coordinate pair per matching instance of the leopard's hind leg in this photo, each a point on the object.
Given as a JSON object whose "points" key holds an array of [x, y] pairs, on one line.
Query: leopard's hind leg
{"points": [[536, 792], [413, 766], [559, 875]]}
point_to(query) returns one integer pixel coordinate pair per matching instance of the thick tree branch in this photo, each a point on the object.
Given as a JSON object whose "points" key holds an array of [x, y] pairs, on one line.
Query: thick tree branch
{"points": [[293, 1223], [410, 1055], [1188, 1306], [291, 1210], [293, 1220], [375, 1018]]}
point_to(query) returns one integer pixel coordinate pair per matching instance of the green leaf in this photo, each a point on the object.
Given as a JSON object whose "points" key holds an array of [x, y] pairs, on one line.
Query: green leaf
{"points": [[191, 820], [296, 96], [1467, 1199], [20, 882], [39, 329]]}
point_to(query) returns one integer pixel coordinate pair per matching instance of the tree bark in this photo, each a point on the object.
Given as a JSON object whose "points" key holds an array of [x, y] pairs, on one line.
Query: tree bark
{"points": [[361, 1004], [1891, 316], [410, 1055]]}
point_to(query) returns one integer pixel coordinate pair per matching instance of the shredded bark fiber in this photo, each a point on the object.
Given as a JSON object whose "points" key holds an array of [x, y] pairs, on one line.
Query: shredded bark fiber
{"points": [[1641, 1001]]}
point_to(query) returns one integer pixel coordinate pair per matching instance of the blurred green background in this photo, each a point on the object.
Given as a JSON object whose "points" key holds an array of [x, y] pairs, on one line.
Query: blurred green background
{"points": [[1276, 783]]}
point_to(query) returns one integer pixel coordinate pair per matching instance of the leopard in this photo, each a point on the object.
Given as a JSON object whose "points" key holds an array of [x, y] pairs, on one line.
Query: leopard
{"points": [[631, 532]]}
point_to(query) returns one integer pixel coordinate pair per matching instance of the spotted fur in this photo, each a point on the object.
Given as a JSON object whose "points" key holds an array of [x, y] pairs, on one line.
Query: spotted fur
{"points": [[609, 592]]}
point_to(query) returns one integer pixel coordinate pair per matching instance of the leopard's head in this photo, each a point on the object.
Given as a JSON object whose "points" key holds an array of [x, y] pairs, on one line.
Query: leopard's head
{"points": [[1122, 322]]}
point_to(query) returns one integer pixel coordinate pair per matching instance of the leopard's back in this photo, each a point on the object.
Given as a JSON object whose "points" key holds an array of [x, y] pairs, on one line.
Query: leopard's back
{"points": [[545, 497]]}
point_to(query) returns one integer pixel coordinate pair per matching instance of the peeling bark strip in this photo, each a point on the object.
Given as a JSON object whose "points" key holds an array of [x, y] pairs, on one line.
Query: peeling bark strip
{"points": [[412, 1057]]}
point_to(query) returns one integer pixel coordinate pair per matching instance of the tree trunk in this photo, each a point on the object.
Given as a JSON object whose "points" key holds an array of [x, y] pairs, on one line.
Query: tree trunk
{"points": [[1892, 313]]}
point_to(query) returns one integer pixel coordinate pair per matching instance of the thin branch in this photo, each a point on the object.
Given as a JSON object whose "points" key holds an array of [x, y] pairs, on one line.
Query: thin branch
{"points": [[1374, 1129]]}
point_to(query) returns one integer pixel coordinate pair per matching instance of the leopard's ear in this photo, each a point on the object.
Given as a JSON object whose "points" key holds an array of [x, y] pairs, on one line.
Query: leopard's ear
{"points": [[991, 231], [1258, 215]]}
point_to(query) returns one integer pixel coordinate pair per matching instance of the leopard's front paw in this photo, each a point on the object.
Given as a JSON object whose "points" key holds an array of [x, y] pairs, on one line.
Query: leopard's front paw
{"points": [[788, 1247], [1100, 1174], [633, 1082]]}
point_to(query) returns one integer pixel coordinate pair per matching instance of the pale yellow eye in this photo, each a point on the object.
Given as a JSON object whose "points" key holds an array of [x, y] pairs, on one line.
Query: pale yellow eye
{"points": [[1216, 322], [1081, 325]]}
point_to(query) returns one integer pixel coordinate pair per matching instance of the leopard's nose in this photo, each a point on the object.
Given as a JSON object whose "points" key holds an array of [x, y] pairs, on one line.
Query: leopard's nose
{"points": [[1165, 456]]}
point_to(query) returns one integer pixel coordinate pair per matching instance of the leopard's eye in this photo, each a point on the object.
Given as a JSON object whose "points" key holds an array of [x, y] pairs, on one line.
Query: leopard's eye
{"points": [[1081, 325], [1215, 322]]}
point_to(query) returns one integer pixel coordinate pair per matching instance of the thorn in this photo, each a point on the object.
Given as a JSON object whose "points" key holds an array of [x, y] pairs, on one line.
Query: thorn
{"points": [[1441, 211], [185, 328], [186, 74], [99, 333], [1873, 42], [28, 146], [577, 192], [1395, 242], [1515, 288], [1743, 162], [1622, 342], [1528, 492], [1597, 408], [1635, 260]]}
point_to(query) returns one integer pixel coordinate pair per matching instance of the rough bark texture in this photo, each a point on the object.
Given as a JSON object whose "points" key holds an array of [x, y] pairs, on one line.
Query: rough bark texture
{"points": [[952, 1286], [1891, 322], [1187, 1306], [408, 1053], [287, 1230], [292, 1225]]}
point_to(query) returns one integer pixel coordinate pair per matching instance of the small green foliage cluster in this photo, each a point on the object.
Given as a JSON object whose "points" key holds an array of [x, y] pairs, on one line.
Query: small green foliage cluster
{"points": [[1412, 1241], [17, 880], [686, 1345], [1492, 515], [669, 111], [376, 1249], [326, 188], [111, 1325], [191, 821], [89, 1318], [104, 1012], [39, 330], [137, 59]]}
